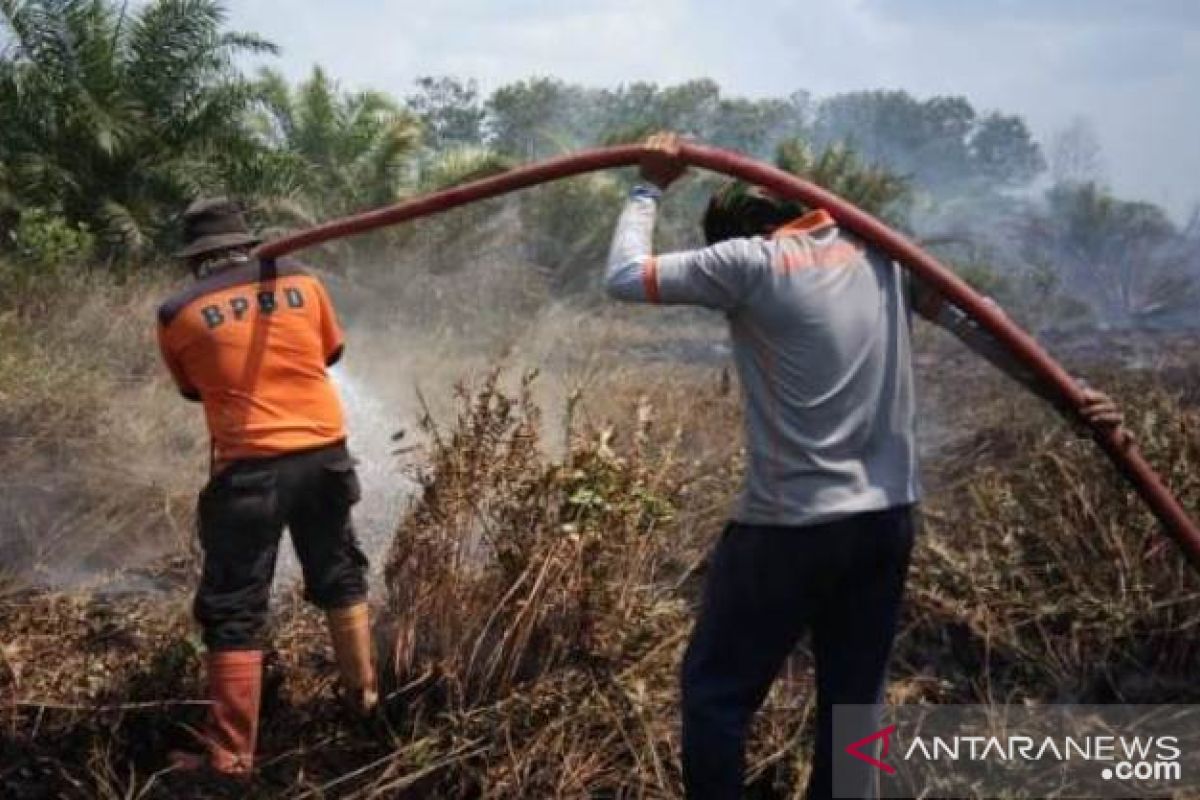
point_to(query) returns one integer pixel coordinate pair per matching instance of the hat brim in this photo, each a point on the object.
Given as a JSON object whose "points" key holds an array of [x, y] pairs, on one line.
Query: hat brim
{"points": [[217, 241]]}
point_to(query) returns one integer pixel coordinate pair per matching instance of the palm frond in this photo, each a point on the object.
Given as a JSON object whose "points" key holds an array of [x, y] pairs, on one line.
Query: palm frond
{"points": [[143, 108], [461, 165], [839, 169], [252, 43], [121, 227]]}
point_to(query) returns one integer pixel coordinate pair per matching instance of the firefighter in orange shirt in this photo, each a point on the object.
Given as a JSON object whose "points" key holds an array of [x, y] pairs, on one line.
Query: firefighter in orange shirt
{"points": [[252, 340]]}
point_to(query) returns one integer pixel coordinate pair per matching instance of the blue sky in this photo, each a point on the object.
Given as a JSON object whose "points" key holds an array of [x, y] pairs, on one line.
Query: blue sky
{"points": [[1130, 67]]}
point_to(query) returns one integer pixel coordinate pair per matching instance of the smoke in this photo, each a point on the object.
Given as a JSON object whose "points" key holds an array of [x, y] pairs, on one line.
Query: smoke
{"points": [[374, 421], [484, 287], [515, 283], [1075, 258], [442, 310]]}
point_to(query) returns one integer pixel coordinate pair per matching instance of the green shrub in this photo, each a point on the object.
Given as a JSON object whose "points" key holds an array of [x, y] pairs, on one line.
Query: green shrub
{"points": [[45, 240]]}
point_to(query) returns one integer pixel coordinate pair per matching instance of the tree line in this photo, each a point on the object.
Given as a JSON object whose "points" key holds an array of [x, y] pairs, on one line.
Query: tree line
{"points": [[112, 119]]}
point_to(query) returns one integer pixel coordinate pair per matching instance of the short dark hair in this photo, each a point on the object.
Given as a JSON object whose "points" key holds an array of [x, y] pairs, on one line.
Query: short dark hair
{"points": [[738, 210]]}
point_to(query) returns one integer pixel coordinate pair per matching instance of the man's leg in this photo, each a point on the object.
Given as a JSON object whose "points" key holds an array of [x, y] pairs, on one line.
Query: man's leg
{"points": [[240, 527], [239, 531], [750, 619], [852, 639], [325, 487]]}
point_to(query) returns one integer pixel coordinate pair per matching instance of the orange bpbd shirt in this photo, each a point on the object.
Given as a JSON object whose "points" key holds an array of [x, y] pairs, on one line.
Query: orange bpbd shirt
{"points": [[252, 343]]}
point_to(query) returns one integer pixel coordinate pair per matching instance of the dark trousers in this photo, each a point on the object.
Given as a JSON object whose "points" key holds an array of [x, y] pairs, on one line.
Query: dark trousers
{"points": [[766, 585], [243, 511]]}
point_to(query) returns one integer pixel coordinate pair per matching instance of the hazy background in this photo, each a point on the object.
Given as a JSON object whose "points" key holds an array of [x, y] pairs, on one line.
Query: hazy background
{"points": [[1126, 66]]}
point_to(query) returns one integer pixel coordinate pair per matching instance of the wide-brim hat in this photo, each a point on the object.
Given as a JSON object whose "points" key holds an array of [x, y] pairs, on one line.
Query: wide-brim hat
{"points": [[213, 224]]}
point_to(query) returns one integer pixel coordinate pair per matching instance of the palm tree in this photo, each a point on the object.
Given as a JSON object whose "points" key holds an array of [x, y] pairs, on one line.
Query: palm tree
{"points": [[354, 150], [116, 118], [1127, 257], [839, 169]]}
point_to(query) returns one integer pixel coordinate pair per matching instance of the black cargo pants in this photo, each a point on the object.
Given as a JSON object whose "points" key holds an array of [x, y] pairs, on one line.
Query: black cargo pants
{"points": [[843, 582], [242, 513]]}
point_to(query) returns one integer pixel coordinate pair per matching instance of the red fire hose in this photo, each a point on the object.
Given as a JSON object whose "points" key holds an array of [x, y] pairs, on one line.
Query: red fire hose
{"points": [[1127, 459]]}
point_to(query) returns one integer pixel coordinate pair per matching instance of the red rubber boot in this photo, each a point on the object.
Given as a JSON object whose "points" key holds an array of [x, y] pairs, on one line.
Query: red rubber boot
{"points": [[230, 733]]}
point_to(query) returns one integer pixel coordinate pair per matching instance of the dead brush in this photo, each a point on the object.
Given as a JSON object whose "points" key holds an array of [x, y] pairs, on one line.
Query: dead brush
{"points": [[1042, 577], [509, 566], [98, 457], [537, 606]]}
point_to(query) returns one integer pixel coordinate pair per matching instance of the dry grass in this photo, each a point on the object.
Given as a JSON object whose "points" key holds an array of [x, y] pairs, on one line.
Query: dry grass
{"points": [[1042, 573], [541, 603], [94, 446], [537, 595]]}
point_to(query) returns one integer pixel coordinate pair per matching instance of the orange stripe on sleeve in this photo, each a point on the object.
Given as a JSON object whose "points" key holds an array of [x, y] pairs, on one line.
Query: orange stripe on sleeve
{"points": [[650, 279]]}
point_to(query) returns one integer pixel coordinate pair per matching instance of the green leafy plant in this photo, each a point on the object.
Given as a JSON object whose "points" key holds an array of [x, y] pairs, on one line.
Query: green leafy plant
{"points": [[47, 241]]}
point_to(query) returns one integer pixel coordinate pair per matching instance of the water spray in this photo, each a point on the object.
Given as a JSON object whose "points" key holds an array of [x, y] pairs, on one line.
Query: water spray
{"points": [[1024, 347]]}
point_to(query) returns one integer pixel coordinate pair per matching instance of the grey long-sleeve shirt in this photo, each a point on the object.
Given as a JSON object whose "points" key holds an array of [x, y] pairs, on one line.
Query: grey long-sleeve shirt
{"points": [[820, 330]]}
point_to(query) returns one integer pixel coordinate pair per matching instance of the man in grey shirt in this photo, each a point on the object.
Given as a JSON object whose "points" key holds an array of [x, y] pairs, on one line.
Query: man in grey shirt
{"points": [[821, 537]]}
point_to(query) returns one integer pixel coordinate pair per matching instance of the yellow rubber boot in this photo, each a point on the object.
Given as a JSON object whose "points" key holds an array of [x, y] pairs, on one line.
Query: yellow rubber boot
{"points": [[350, 631]]}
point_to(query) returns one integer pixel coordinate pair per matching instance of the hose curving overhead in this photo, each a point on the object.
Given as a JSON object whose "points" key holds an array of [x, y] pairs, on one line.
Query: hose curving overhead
{"points": [[1127, 459]]}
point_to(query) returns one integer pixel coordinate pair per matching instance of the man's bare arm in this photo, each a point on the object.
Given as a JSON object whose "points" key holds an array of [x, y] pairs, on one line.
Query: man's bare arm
{"points": [[1098, 408]]}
